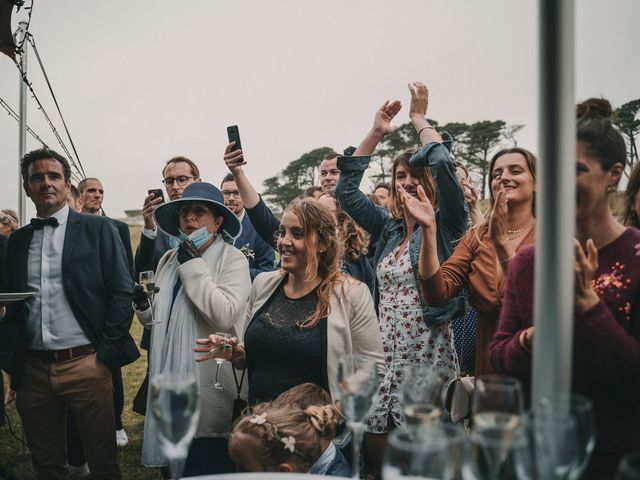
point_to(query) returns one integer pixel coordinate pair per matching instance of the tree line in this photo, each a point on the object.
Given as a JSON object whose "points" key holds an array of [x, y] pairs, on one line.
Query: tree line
{"points": [[473, 144]]}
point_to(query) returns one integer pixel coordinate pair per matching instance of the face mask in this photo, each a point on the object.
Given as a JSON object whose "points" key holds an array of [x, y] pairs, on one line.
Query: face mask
{"points": [[198, 237]]}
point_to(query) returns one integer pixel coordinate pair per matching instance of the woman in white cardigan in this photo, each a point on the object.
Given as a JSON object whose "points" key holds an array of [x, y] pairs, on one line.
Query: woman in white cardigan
{"points": [[301, 318], [204, 285]]}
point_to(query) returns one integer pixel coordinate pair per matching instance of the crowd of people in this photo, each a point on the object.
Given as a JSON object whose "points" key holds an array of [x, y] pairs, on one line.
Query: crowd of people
{"points": [[413, 273]]}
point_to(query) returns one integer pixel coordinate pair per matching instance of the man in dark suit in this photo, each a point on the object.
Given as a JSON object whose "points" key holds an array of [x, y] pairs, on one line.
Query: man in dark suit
{"points": [[261, 256], [177, 174], [91, 192], [74, 329]]}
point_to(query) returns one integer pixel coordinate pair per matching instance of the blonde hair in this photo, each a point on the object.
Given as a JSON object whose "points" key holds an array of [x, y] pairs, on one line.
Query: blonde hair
{"points": [[424, 176], [272, 430], [319, 228], [302, 396]]}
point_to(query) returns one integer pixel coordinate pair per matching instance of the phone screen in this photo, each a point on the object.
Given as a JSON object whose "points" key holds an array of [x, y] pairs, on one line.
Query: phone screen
{"points": [[234, 136], [157, 192]]}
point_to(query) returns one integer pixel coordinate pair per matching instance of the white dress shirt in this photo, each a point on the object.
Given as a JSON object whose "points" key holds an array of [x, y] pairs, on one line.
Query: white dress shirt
{"points": [[51, 324]]}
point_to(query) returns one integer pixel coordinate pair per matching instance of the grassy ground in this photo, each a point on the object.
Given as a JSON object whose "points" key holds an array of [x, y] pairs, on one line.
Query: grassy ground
{"points": [[18, 465]]}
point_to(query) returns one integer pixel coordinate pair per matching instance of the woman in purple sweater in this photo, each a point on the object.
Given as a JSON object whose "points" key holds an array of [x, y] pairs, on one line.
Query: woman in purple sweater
{"points": [[606, 347]]}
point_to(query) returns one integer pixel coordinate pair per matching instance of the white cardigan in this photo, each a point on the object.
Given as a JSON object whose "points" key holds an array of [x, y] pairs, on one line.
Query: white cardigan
{"points": [[218, 288], [352, 323]]}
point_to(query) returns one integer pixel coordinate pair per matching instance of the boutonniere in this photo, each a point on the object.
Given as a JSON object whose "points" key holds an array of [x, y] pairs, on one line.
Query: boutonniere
{"points": [[247, 252]]}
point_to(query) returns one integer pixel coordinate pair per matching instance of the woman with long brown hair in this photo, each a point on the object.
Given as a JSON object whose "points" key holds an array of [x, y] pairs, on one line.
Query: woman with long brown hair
{"points": [[301, 318], [413, 332], [483, 254]]}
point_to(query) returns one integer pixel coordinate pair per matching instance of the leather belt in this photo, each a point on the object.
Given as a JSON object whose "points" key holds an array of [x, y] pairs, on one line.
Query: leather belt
{"points": [[61, 355]]}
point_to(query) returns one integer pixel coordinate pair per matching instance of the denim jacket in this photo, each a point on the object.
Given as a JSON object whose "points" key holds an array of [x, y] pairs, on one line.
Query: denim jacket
{"points": [[387, 232]]}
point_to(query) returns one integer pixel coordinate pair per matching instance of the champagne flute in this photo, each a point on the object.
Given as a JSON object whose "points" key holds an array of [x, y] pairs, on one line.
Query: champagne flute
{"points": [[148, 281], [418, 452], [358, 382], [629, 467], [222, 352], [497, 404], [556, 444], [422, 390], [175, 407], [581, 409]]}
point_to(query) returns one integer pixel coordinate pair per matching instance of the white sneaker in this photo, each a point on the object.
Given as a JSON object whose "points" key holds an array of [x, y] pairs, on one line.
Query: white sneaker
{"points": [[121, 438], [79, 473]]}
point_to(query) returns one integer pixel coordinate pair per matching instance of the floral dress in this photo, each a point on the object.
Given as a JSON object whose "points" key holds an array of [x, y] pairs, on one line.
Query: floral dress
{"points": [[406, 338]]}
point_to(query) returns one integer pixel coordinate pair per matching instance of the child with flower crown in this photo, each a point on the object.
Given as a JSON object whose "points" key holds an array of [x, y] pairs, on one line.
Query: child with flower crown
{"points": [[288, 439]]}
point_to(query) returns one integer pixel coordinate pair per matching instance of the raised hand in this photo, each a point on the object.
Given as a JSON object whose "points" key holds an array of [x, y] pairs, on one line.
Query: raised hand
{"points": [[384, 116], [498, 219], [419, 100], [470, 194], [150, 204], [420, 209], [234, 159], [585, 267]]}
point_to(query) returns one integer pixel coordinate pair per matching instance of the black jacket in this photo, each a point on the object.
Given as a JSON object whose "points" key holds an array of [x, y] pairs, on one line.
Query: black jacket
{"points": [[97, 284]]}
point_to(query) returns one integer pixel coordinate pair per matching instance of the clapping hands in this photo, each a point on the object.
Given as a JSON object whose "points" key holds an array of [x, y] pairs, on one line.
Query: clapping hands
{"points": [[420, 209]]}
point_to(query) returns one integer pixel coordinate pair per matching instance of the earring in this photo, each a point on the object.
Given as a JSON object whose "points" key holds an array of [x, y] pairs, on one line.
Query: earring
{"points": [[611, 189]]}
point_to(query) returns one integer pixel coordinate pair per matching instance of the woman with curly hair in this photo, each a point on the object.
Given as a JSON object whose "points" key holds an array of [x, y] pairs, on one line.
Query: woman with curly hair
{"points": [[304, 316], [354, 262]]}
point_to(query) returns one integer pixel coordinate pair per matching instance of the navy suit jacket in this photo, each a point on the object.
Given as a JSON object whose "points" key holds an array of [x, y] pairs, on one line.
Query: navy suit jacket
{"points": [[97, 283], [264, 257]]}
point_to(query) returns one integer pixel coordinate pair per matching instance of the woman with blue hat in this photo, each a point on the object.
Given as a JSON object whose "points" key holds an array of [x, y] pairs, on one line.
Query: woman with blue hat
{"points": [[203, 286]]}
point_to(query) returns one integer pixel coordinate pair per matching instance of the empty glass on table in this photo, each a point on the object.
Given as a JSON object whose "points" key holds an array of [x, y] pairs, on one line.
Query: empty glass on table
{"points": [[358, 381], [422, 390], [175, 406]]}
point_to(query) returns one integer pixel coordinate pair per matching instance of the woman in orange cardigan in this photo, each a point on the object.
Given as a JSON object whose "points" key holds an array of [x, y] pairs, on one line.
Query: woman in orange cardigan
{"points": [[482, 256]]}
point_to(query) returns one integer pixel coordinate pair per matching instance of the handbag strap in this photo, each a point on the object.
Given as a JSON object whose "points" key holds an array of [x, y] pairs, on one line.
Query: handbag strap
{"points": [[235, 378]]}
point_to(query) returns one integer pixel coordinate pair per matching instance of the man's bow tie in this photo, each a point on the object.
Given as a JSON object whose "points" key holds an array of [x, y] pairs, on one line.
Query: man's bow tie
{"points": [[39, 223]]}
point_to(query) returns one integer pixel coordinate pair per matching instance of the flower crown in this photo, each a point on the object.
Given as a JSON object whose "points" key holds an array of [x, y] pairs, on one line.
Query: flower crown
{"points": [[272, 432]]}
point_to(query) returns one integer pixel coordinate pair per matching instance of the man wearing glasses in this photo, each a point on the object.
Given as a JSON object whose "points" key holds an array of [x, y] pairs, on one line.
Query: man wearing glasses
{"points": [[260, 255], [176, 175]]}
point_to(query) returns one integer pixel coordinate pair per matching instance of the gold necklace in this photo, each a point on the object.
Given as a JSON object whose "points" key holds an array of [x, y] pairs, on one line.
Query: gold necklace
{"points": [[518, 233]]}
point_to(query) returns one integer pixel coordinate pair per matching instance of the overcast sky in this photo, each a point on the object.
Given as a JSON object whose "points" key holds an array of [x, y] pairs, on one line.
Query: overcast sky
{"points": [[140, 82]]}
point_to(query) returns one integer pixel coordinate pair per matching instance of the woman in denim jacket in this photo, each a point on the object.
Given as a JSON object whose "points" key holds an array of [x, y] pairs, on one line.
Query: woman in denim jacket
{"points": [[412, 331]]}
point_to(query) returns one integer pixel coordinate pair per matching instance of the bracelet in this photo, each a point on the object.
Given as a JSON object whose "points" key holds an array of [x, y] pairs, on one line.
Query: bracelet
{"points": [[424, 128], [522, 339]]}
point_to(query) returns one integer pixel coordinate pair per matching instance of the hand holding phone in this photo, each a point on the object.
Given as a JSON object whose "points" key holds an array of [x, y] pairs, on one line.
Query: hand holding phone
{"points": [[157, 193]]}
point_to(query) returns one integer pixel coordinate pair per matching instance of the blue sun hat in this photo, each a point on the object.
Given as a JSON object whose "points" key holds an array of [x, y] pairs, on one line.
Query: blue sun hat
{"points": [[166, 216]]}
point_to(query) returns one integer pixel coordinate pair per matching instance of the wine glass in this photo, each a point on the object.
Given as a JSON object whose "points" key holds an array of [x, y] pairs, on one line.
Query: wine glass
{"points": [[581, 409], [175, 407], [358, 382], [222, 351], [629, 467], [555, 438], [148, 281], [459, 447], [422, 390], [496, 406], [418, 452]]}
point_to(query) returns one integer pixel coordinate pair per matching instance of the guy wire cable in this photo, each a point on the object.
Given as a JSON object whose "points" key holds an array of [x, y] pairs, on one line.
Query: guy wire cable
{"points": [[15, 116], [55, 100], [48, 119]]}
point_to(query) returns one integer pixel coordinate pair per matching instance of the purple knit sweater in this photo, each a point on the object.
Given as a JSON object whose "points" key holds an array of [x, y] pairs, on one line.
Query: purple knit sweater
{"points": [[606, 346]]}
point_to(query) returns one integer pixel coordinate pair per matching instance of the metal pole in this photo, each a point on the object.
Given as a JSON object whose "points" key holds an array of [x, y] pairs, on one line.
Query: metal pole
{"points": [[555, 203], [21, 39]]}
